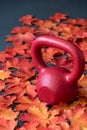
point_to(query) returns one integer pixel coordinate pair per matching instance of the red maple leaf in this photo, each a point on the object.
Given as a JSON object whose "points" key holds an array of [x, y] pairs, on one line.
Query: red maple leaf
{"points": [[6, 101], [27, 20], [4, 55], [46, 31], [57, 17], [78, 21], [22, 30], [21, 89], [19, 63], [2, 85], [29, 126], [20, 38]]}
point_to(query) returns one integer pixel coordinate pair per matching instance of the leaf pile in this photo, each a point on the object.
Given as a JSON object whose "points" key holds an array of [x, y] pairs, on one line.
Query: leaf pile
{"points": [[20, 107]]}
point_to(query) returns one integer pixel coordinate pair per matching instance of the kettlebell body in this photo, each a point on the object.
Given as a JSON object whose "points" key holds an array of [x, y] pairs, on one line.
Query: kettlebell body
{"points": [[49, 82], [56, 84]]}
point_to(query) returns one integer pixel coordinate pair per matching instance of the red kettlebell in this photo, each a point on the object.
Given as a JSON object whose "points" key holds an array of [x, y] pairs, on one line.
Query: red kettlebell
{"points": [[57, 84]]}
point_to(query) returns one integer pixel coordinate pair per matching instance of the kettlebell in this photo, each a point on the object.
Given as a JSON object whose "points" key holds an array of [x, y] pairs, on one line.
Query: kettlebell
{"points": [[56, 84]]}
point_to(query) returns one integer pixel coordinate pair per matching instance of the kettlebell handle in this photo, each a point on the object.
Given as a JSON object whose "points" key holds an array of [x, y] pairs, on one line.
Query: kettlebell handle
{"points": [[59, 43]]}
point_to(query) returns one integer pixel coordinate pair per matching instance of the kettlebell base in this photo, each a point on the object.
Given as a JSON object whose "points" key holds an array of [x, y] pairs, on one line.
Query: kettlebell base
{"points": [[46, 95]]}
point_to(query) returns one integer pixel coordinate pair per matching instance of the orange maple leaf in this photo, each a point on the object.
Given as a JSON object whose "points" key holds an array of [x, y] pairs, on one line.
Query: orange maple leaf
{"points": [[77, 115], [49, 53], [7, 124], [8, 114]]}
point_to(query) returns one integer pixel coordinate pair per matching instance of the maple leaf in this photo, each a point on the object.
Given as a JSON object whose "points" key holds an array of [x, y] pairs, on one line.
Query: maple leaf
{"points": [[55, 127], [52, 118], [77, 115], [9, 52], [83, 121], [48, 24], [4, 74], [20, 38], [64, 62], [75, 126], [81, 34], [24, 65], [21, 89], [49, 53], [80, 102], [83, 46], [80, 38], [26, 101], [36, 114], [24, 75], [83, 83], [27, 20], [30, 90], [2, 85], [85, 56], [6, 101], [4, 56], [78, 21], [57, 17], [36, 106], [12, 81], [21, 64], [12, 63], [42, 30], [20, 47], [67, 31], [8, 114], [7, 124], [67, 28], [38, 22], [22, 30], [30, 126], [18, 90]]}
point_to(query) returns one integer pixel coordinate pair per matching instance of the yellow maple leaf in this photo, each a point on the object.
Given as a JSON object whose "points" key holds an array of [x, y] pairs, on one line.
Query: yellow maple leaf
{"points": [[4, 74], [40, 114], [83, 83]]}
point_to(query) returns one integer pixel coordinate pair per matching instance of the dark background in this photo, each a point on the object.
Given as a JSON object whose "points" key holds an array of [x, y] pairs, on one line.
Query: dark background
{"points": [[12, 10]]}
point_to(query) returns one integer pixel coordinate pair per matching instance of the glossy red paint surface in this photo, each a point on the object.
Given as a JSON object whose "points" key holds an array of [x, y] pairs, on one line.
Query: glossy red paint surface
{"points": [[56, 84]]}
